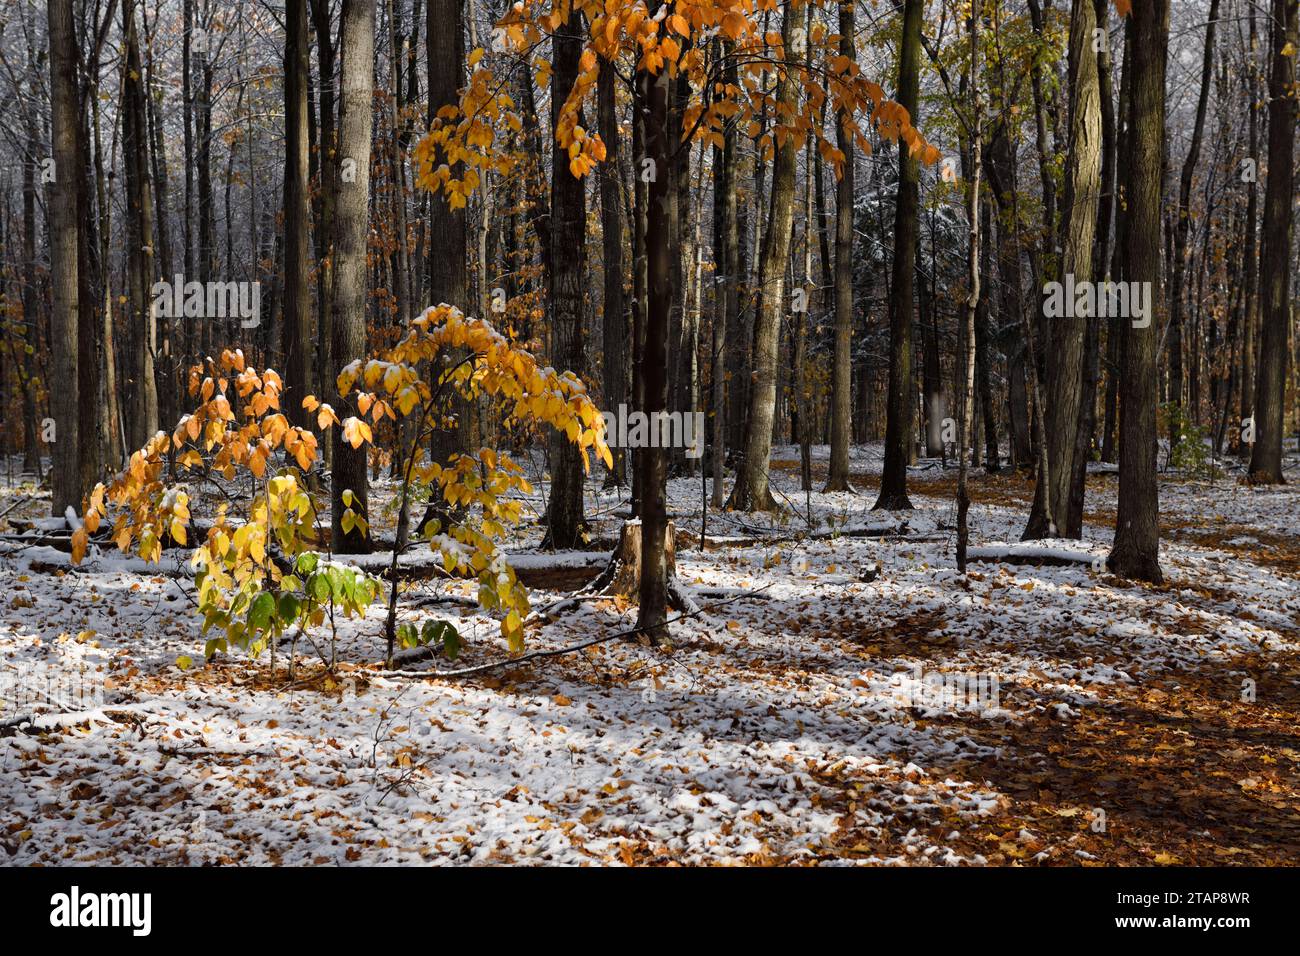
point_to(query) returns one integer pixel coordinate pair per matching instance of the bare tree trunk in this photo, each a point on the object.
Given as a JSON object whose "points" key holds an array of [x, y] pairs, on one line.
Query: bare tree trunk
{"points": [[752, 491], [356, 42], [1066, 348], [842, 373], [726, 242], [1250, 311], [66, 487], [901, 401], [1136, 551], [1183, 226], [565, 294], [653, 462], [140, 256], [614, 324], [295, 331], [969, 343], [1275, 259], [207, 240], [327, 191]]}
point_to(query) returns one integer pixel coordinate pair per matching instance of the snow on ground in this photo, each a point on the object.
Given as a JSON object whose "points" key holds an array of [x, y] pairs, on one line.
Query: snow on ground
{"points": [[849, 698]]}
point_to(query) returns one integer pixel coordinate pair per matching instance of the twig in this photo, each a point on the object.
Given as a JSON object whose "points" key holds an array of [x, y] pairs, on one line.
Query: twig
{"points": [[557, 652]]}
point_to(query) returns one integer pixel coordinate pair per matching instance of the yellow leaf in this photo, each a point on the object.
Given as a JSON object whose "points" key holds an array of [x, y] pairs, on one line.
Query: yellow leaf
{"points": [[79, 541]]}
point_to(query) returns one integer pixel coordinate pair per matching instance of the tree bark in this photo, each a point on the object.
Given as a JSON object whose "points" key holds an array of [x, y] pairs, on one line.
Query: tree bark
{"points": [[653, 462], [1250, 310], [842, 372], [901, 401], [140, 253], [1275, 257], [66, 487], [1136, 551], [296, 328], [565, 293], [1066, 345], [614, 323], [356, 41], [1183, 225], [752, 491]]}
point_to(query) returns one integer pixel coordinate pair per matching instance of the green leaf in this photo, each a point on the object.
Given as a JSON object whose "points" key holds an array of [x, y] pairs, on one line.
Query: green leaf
{"points": [[259, 614], [288, 607], [184, 662], [307, 562], [406, 635], [318, 586], [335, 578], [437, 632]]}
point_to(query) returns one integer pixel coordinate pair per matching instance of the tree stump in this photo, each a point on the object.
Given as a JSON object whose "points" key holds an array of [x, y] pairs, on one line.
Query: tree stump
{"points": [[622, 576]]}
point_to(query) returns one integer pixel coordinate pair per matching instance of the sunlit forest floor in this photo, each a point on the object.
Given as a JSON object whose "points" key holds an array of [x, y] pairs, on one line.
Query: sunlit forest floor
{"points": [[797, 720]]}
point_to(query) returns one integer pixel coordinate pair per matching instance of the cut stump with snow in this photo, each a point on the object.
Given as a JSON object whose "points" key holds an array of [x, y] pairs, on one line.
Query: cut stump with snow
{"points": [[622, 576]]}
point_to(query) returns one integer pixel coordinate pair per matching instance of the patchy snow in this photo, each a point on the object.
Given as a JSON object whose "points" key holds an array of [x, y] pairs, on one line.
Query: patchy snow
{"points": [[913, 716]]}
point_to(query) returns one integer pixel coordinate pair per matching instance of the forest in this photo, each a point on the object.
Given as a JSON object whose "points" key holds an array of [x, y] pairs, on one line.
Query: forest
{"points": [[649, 432]]}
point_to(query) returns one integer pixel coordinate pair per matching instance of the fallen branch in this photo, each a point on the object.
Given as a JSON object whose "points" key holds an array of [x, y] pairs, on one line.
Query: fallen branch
{"points": [[1032, 554], [557, 652], [40, 723]]}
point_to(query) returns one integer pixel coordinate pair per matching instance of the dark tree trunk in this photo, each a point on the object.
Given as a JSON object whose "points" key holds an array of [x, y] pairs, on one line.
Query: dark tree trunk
{"points": [[139, 231], [653, 462], [727, 286], [296, 328], [842, 370], [901, 401], [1275, 258], [66, 489], [1136, 551], [1183, 225], [614, 324], [1250, 311], [356, 41], [1067, 341], [327, 166], [565, 294]]}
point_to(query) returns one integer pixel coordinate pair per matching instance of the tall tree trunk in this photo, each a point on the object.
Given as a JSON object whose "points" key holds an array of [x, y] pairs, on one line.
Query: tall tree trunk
{"points": [[66, 489], [752, 491], [187, 109], [165, 367], [1115, 327], [969, 342], [901, 401], [295, 330], [1011, 303], [1183, 226], [842, 371], [652, 462], [207, 239], [1275, 258], [356, 42], [729, 269], [140, 258], [327, 190], [565, 293], [1065, 359], [448, 229], [1136, 551], [983, 343], [614, 324], [1250, 312]]}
